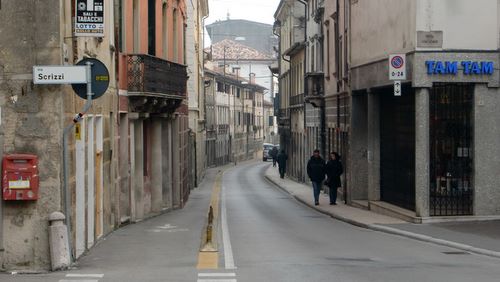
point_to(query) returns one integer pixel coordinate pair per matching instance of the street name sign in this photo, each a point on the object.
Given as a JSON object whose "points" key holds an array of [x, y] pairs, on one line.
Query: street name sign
{"points": [[89, 19], [397, 67], [59, 75]]}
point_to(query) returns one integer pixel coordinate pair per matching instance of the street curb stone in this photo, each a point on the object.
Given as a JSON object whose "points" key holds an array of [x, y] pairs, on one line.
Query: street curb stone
{"points": [[394, 231]]}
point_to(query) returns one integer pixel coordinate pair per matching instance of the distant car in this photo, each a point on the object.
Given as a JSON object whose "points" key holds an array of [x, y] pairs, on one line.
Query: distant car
{"points": [[267, 147]]}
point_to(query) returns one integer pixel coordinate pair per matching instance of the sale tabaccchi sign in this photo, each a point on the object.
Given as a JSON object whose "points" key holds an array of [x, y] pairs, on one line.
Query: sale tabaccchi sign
{"points": [[89, 19]]}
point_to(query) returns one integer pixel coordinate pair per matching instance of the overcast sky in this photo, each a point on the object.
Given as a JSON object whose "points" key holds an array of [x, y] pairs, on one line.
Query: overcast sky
{"points": [[254, 10]]}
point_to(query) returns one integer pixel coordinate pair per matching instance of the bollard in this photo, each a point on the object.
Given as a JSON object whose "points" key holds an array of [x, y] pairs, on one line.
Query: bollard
{"points": [[211, 216], [209, 234], [58, 242]]}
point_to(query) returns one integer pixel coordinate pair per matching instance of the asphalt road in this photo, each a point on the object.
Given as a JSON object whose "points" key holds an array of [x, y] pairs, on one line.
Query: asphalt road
{"points": [[275, 238], [269, 236]]}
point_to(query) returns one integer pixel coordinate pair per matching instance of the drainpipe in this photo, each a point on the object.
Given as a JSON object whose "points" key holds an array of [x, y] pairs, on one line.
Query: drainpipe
{"points": [[280, 93], [305, 87], [337, 58], [323, 103], [67, 130]]}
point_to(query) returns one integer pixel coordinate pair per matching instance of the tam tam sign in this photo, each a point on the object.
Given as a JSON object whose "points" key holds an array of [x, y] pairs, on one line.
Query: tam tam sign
{"points": [[453, 67]]}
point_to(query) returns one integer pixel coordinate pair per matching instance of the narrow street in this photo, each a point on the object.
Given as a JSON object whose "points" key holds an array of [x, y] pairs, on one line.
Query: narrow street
{"points": [[275, 238], [272, 237]]}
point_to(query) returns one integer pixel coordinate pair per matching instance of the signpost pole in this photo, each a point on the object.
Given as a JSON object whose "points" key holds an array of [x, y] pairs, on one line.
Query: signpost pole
{"points": [[88, 66], [67, 130]]}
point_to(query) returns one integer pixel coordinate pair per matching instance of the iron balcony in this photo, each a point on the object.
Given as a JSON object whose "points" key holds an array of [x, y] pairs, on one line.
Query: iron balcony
{"points": [[154, 84]]}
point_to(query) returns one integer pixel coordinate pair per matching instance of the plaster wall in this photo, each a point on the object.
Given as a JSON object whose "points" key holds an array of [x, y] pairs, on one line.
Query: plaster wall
{"points": [[466, 25]]}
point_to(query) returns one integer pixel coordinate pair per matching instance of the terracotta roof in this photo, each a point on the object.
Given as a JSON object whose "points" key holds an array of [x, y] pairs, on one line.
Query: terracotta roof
{"points": [[235, 51]]}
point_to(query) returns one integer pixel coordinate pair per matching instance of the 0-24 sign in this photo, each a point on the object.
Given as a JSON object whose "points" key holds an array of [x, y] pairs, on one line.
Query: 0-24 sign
{"points": [[397, 67]]}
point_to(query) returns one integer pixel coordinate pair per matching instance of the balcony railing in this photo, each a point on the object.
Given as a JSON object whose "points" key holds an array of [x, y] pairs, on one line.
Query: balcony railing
{"points": [[223, 128], [211, 135], [297, 100], [152, 75]]}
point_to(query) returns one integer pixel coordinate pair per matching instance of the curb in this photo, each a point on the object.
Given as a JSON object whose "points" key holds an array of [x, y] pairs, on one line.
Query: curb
{"points": [[434, 240], [395, 231]]}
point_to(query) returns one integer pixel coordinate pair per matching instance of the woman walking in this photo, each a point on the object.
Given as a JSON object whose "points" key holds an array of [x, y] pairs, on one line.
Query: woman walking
{"points": [[334, 169]]}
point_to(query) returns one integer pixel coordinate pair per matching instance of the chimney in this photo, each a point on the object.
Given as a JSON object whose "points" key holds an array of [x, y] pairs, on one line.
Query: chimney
{"points": [[252, 78]]}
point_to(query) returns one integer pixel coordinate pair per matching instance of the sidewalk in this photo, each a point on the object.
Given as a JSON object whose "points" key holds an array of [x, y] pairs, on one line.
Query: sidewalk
{"points": [[475, 237]]}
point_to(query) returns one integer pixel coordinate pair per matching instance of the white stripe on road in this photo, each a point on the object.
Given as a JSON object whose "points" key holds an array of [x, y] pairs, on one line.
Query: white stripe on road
{"points": [[216, 280], [85, 275], [216, 274], [228, 250], [87, 280]]}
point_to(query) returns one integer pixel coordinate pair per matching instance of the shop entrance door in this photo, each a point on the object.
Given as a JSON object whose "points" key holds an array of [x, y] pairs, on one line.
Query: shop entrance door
{"points": [[397, 148], [451, 185]]}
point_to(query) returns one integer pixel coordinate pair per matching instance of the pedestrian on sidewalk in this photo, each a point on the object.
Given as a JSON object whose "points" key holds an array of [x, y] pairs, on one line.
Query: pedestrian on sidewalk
{"points": [[334, 169], [274, 155], [282, 158], [316, 172]]}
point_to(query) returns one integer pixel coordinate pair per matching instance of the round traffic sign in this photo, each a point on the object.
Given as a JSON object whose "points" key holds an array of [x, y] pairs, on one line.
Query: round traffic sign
{"points": [[397, 62], [99, 76]]}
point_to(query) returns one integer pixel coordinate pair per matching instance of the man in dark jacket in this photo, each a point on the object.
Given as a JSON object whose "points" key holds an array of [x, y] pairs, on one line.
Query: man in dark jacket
{"points": [[282, 158], [316, 172]]}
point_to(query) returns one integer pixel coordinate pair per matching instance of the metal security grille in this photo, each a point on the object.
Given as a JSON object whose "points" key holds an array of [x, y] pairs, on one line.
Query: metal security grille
{"points": [[451, 183]]}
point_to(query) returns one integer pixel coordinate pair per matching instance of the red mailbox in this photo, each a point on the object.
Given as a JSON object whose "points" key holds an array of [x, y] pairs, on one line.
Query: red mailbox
{"points": [[20, 177]]}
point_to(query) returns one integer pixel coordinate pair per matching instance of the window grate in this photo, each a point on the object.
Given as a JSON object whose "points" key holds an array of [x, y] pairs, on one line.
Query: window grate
{"points": [[451, 183]]}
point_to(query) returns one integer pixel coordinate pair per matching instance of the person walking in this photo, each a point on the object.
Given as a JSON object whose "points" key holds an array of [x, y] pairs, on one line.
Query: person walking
{"points": [[316, 172], [334, 169], [282, 158], [274, 155]]}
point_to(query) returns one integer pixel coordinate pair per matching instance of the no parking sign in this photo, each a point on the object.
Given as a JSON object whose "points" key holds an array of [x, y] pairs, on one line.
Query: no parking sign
{"points": [[397, 67]]}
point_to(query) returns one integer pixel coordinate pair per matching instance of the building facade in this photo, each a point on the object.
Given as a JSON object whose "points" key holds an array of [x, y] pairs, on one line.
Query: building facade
{"points": [[153, 108], [270, 125], [246, 62], [35, 118], [424, 151], [256, 35], [128, 157], [235, 118], [197, 12], [334, 15], [427, 150], [291, 28]]}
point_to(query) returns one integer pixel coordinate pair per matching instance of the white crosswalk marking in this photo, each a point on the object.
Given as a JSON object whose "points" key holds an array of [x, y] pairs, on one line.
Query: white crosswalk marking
{"points": [[216, 274], [85, 275], [216, 277], [217, 280], [77, 277], [86, 280]]}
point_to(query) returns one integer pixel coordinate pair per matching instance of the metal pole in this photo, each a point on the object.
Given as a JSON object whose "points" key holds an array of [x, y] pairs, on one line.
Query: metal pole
{"points": [[67, 130]]}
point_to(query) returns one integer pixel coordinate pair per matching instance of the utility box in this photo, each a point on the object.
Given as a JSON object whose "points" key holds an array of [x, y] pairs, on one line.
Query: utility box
{"points": [[20, 177]]}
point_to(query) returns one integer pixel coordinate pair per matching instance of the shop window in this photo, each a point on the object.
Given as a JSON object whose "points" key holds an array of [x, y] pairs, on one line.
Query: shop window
{"points": [[451, 129]]}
